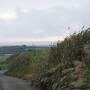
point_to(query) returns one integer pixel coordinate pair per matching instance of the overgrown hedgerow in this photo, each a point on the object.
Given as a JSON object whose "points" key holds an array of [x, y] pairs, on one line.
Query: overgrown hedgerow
{"points": [[64, 53]]}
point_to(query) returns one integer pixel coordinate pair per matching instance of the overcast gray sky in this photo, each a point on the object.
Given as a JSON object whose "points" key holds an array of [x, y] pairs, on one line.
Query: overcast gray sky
{"points": [[41, 20]]}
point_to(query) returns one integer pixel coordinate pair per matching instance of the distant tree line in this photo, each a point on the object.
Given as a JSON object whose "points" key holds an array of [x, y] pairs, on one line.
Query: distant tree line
{"points": [[17, 49]]}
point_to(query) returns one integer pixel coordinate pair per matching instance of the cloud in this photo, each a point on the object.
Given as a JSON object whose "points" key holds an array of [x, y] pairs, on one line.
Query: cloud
{"points": [[8, 16], [41, 20], [38, 4]]}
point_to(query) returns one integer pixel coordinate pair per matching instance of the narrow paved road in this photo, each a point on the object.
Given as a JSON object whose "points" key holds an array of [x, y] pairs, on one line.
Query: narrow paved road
{"points": [[11, 83]]}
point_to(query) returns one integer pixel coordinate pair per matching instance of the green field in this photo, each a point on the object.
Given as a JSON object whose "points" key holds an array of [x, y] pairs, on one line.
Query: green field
{"points": [[3, 60]]}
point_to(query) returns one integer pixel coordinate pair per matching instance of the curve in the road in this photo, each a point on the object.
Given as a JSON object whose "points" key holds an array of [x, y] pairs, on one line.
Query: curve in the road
{"points": [[11, 83]]}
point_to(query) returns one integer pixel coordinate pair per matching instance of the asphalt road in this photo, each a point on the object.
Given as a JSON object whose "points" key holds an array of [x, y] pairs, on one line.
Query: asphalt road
{"points": [[11, 83]]}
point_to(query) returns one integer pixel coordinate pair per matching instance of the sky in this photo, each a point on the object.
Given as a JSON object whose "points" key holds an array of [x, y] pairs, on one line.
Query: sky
{"points": [[42, 20]]}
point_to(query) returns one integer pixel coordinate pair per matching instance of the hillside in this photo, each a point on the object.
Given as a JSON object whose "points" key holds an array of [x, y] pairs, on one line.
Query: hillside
{"points": [[65, 66], [27, 64]]}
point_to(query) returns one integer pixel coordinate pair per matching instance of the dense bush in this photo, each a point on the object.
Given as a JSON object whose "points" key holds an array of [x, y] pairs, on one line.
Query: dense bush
{"points": [[70, 49], [61, 61], [27, 64]]}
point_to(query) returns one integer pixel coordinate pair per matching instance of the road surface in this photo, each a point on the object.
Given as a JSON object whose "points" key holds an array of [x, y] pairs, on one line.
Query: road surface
{"points": [[11, 83]]}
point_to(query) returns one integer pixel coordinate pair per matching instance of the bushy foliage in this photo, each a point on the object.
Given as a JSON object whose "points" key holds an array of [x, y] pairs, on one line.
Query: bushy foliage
{"points": [[69, 49], [18, 64], [61, 58], [27, 64], [39, 59]]}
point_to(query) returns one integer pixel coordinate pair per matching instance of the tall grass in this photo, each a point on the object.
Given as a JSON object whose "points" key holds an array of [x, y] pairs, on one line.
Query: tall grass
{"points": [[61, 57], [72, 48]]}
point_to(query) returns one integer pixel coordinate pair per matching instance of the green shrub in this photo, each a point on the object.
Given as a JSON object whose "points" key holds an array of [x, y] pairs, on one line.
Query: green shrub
{"points": [[61, 57], [69, 49]]}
